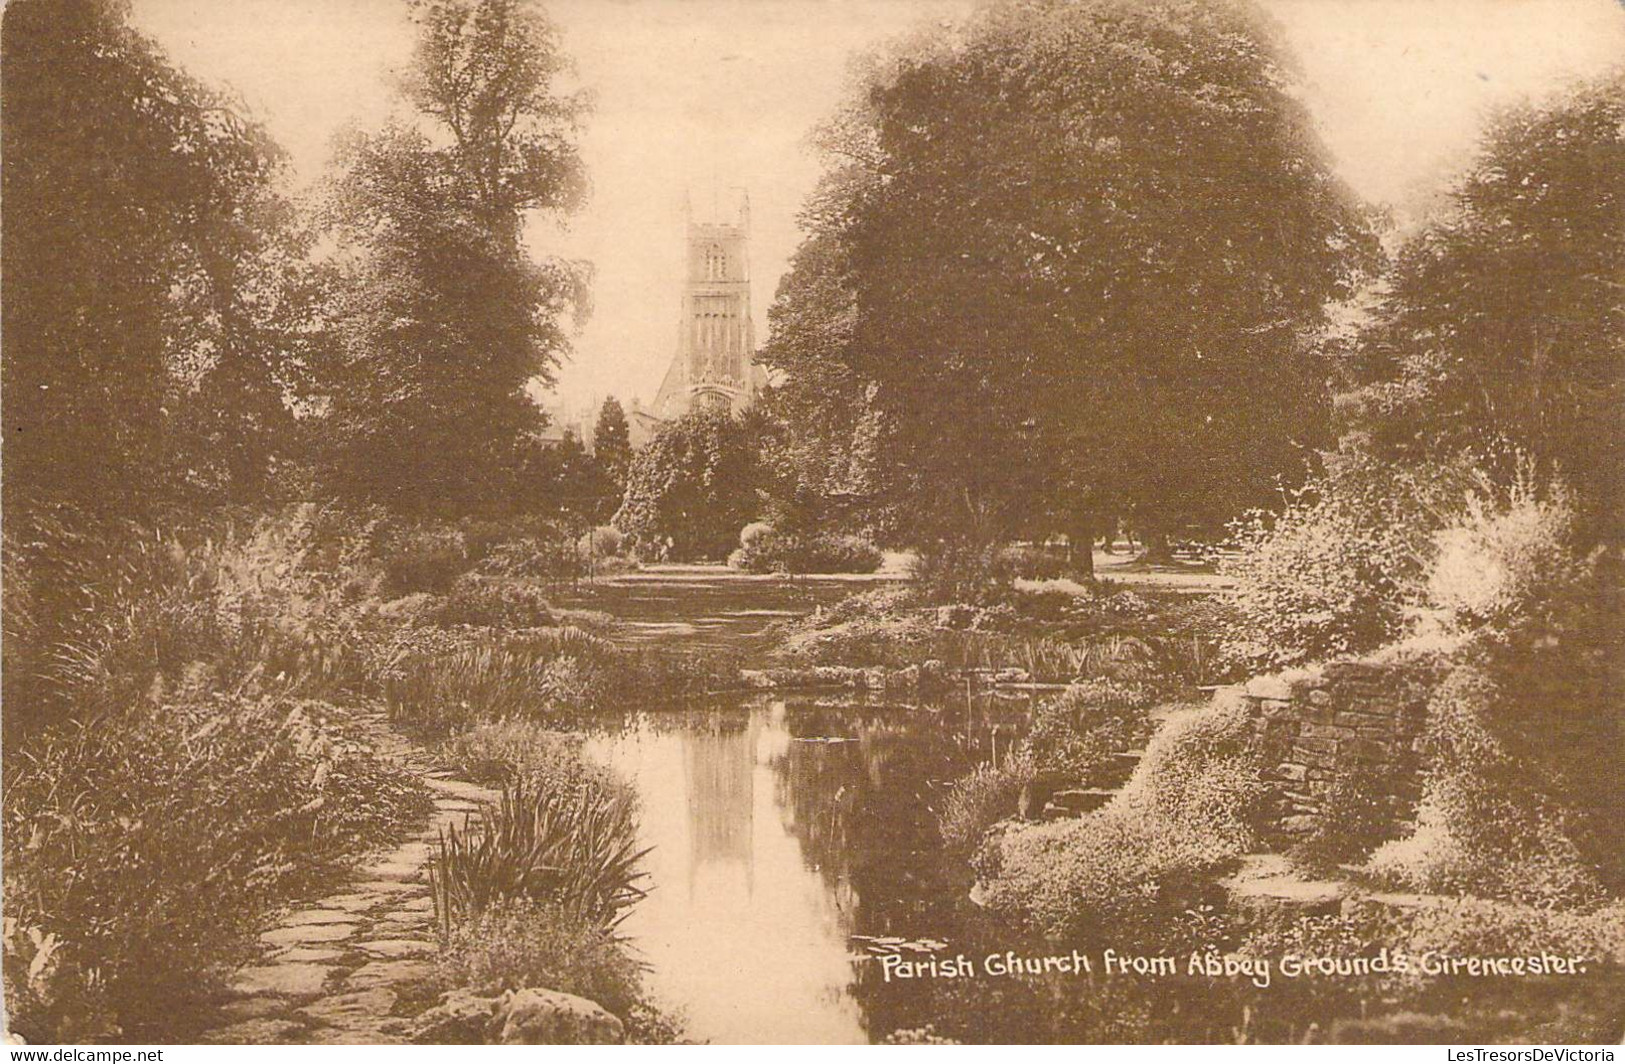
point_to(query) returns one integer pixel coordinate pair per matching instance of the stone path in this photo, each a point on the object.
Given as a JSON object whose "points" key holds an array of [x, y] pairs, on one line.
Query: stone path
{"points": [[356, 966]]}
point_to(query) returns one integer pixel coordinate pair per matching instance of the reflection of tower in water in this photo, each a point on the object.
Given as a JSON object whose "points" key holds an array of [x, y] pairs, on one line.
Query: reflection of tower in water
{"points": [[718, 774]]}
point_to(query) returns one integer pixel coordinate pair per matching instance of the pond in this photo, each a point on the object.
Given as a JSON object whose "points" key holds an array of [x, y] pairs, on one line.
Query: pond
{"points": [[787, 833], [795, 843]]}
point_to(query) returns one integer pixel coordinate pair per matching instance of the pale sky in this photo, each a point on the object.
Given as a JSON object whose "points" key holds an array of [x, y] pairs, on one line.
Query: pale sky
{"points": [[718, 95]]}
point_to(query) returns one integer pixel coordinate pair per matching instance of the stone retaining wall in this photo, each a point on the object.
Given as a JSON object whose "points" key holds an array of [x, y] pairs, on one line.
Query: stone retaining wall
{"points": [[1347, 731]]}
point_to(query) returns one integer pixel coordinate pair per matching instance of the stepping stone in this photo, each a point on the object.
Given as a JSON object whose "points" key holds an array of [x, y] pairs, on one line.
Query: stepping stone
{"points": [[308, 955], [419, 905], [347, 1010], [456, 805], [351, 903], [410, 851], [390, 886], [390, 973], [290, 980], [255, 1032], [397, 947], [458, 789], [289, 936], [398, 924], [399, 871], [252, 1008], [315, 916]]}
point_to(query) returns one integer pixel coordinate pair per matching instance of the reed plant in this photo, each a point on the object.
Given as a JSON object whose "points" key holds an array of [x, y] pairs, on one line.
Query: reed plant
{"points": [[575, 848]]}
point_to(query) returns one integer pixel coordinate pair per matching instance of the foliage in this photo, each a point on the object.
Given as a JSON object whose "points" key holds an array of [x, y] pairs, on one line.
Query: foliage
{"points": [[519, 943], [1497, 560], [965, 340], [1340, 569], [1502, 322], [148, 843], [1485, 825], [428, 558], [988, 794], [1130, 866], [576, 848], [612, 445], [442, 314], [154, 305], [692, 488], [501, 751], [494, 602], [496, 676], [1077, 733], [815, 552]]}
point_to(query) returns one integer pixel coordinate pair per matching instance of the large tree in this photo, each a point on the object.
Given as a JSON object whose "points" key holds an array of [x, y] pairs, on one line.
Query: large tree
{"points": [[446, 314], [150, 269], [1064, 263], [693, 487], [612, 443], [1502, 327]]}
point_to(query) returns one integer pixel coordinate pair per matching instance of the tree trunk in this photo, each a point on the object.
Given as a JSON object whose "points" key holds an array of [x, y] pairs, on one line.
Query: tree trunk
{"points": [[1081, 544]]}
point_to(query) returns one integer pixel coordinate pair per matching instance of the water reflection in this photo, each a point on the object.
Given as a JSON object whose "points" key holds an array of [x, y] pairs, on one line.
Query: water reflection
{"points": [[780, 829]]}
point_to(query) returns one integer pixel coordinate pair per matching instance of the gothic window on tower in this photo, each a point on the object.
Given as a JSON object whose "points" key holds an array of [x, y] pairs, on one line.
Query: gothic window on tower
{"points": [[716, 264]]}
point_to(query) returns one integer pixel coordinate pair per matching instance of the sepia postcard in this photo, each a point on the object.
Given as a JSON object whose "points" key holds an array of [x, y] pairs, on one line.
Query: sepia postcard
{"points": [[814, 522]]}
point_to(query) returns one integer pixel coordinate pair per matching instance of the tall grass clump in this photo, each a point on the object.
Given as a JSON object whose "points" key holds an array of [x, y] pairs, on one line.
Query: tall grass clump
{"points": [[444, 686], [140, 851], [574, 848], [988, 794]]}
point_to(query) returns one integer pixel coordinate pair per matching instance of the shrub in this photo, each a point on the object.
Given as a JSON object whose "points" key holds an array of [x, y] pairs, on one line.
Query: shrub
{"points": [[1483, 826], [448, 684], [502, 751], [146, 846], [813, 552], [989, 794], [573, 847], [1499, 558], [423, 559], [548, 558], [519, 943], [494, 602], [1077, 733], [962, 570], [1339, 571], [1134, 865]]}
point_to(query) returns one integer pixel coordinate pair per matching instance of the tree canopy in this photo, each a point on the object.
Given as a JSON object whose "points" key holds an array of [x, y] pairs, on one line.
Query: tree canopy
{"points": [[1064, 263], [154, 298], [692, 488], [1502, 327], [445, 316]]}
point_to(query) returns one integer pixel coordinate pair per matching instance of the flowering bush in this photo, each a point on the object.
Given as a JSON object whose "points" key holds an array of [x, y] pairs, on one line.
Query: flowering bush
{"points": [[1499, 557], [1340, 569], [1483, 825]]}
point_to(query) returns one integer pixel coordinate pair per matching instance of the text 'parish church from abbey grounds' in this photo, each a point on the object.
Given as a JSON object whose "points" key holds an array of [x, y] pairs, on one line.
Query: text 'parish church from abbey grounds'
{"points": [[714, 365]]}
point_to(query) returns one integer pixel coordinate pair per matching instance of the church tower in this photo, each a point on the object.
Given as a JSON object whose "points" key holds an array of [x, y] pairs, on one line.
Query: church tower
{"points": [[714, 366]]}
